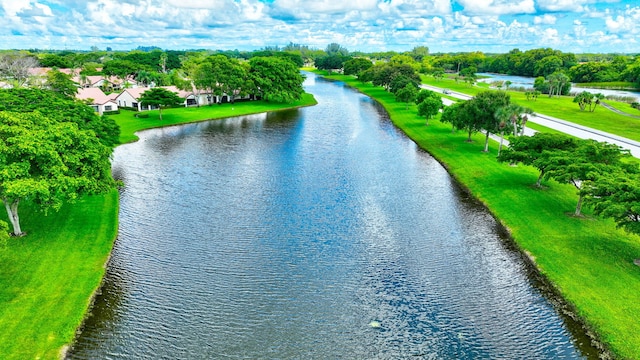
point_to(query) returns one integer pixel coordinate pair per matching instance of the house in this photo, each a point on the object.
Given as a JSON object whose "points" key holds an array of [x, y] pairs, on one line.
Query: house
{"points": [[109, 83], [130, 98], [99, 101]]}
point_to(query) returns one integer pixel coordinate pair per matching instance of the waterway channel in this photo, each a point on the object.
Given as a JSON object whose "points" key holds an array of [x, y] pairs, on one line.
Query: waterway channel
{"points": [[317, 233]]}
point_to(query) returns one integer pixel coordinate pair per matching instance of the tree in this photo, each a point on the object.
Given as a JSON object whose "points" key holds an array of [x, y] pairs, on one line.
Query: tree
{"points": [[586, 99], [532, 95], [419, 52], [400, 82], [160, 97], [61, 83], [30, 100], [507, 84], [450, 115], [15, 66], [584, 165], [438, 74], [483, 108], [511, 117], [469, 74], [531, 150], [336, 49], [547, 65], [407, 94], [616, 195], [48, 162], [559, 84], [276, 79], [429, 107], [331, 62], [123, 69], [464, 118], [356, 66]]}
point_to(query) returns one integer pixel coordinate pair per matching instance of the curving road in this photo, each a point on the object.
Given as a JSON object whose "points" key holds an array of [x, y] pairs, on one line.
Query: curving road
{"points": [[566, 127]]}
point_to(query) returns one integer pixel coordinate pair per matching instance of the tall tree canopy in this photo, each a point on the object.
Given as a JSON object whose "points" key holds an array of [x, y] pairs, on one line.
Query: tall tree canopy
{"points": [[276, 79], [61, 108], [48, 162]]}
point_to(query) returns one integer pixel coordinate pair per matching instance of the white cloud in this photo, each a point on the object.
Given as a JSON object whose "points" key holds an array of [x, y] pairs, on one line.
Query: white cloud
{"points": [[498, 7], [368, 25], [546, 19]]}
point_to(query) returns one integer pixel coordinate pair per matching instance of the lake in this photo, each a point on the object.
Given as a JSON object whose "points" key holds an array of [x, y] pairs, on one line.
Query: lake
{"points": [[318, 233]]}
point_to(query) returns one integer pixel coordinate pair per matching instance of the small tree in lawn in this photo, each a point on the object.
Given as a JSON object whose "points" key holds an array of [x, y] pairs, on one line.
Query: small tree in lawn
{"points": [[450, 115], [483, 108], [429, 108], [532, 150], [464, 118], [616, 195], [160, 97], [512, 117], [584, 165], [407, 94]]}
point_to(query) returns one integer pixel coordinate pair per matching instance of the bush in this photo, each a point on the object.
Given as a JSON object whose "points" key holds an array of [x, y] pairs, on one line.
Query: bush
{"points": [[635, 105], [113, 112]]}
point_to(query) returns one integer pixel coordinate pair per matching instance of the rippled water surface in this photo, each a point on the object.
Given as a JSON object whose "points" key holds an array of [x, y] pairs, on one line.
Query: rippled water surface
{"points": [[319, 233]]}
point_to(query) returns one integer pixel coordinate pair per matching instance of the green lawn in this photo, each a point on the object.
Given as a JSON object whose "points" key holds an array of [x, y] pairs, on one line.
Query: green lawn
{"points": [[48, 277], [129, 124], [587, 259], [563, 108]]}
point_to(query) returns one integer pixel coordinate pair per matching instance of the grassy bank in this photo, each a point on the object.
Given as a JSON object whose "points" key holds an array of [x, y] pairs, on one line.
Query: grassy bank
{"points": [[588, 260], [129, 124], [562, 107], [48, 278]]}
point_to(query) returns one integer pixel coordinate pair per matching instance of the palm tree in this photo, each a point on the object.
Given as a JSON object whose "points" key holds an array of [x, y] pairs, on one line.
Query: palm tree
{"points": [[512, 117]]}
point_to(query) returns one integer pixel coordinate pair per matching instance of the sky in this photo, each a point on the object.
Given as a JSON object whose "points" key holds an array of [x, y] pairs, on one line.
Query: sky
{"points": [[490, 26]]}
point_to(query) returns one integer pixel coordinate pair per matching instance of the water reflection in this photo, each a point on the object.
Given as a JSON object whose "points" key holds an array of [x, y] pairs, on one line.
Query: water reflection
{"points": [[316, 233]]}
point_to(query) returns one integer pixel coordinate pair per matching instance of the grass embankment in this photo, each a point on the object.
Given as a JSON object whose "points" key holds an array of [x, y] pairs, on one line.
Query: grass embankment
{"points": [[588, 260], [48, 278], [181, 115], [563, 108]]}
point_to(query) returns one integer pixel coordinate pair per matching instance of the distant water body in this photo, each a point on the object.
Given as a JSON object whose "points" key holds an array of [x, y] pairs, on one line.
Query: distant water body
{"points": [[318, 233], [527, 82]]}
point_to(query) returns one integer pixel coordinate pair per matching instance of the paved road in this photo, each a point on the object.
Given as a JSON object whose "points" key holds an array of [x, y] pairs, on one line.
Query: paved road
{"points": [[566, 127]]}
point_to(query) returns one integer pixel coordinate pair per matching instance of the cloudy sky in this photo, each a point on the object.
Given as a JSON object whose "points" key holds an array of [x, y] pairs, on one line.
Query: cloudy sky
{"points": [[365, 25]]}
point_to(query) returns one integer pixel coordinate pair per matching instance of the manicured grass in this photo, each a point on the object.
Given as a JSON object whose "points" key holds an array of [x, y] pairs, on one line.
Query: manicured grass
{"points": [[588, 260], [129, 124], [47, 277], [563, 108]]}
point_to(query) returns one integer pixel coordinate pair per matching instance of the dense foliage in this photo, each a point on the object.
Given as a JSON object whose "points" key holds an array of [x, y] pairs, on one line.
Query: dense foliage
{"points": [[60, 108], [48, 162]]}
